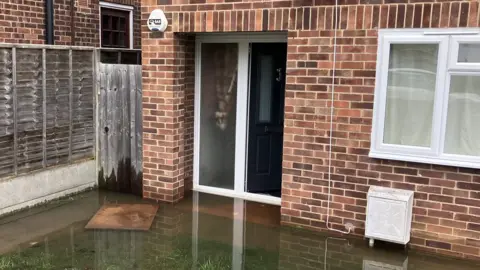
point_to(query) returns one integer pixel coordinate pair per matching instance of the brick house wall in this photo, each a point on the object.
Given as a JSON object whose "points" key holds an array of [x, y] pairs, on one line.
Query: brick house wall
{"points": [[25, 22], [447, 199]]}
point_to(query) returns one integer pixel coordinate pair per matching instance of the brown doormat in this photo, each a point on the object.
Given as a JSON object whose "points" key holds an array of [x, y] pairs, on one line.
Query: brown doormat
{"points": [[124, 217]]}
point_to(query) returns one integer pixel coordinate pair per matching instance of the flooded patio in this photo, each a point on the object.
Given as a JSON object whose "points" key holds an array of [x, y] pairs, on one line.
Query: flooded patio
{"points": [[201, 232]]}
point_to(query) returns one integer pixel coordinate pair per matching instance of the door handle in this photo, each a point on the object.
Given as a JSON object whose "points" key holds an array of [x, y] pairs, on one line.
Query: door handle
{"points": [[279, 74]]}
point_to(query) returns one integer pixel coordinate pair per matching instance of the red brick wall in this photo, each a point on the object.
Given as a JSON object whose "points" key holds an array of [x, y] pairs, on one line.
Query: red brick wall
{"points": [[24, 22], [447, 206]]}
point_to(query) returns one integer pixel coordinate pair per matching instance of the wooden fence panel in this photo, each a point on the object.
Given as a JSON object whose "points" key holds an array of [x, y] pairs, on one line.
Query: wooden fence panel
{"points": [[120, 127], [46, 107], [7, 164]]}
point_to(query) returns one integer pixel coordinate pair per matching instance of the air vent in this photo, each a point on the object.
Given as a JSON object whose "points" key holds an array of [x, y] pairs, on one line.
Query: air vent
{"points": [[389, 215]]}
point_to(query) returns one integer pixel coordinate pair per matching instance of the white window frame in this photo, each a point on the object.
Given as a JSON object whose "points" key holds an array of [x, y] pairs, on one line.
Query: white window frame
{"points": [[448, 41], [129, 9]]}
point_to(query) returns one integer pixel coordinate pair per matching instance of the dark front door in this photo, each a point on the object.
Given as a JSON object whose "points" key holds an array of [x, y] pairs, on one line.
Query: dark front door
{"points": [[267, 95]]}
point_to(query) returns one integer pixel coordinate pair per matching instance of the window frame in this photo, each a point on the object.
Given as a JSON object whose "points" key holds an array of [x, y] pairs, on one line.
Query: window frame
{"points": [[448, 44], [117, 7]]}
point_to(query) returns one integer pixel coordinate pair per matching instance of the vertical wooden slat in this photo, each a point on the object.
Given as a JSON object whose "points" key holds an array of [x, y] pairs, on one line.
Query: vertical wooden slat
{"points": [[138, 130], [133, 108], [102, 114], [14, 84], [126, 125], [96, 91], [110, 120], [139, 125], [44, 90], [70, 104]]}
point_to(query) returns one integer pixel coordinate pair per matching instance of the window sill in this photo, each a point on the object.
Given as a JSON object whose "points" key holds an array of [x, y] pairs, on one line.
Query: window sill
{"points": [[426, 160]]}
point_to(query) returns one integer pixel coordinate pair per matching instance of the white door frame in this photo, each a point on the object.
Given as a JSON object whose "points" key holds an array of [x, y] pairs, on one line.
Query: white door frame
{"points": [[242, 108]]}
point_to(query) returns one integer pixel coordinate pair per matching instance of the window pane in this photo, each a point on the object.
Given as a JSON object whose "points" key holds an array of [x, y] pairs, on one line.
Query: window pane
{"points": [[106, 38], [412, 75], [217, 114], [463, 118], [122, 24], [115, 39], [469, 53], [121, 40], [115, 21], [105, 22], [266, 78]]}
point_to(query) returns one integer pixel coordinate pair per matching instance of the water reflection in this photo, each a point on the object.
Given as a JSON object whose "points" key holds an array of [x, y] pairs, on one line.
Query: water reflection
{"points": [[202, 232]]}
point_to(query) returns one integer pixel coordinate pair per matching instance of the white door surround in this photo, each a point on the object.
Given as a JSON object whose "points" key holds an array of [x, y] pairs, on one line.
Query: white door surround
{"points": [[242, 108]]}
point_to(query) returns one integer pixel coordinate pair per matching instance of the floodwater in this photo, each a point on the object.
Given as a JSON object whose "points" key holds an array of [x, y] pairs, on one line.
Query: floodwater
{"points": [[201, 232]]}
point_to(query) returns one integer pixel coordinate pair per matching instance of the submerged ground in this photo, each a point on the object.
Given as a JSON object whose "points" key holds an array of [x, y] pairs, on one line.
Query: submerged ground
{"points": [[201, 232]]}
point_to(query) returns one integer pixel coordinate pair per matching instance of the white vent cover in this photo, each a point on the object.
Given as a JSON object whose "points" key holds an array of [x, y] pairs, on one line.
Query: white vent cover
{"points": [[389, 214]]}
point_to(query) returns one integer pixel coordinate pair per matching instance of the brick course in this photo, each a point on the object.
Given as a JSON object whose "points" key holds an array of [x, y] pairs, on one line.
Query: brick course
{"points": [[447, 206], [24, 22]]}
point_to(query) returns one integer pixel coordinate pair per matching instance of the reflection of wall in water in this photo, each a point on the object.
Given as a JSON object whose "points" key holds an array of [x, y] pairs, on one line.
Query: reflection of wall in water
{"points": [[304, 250]]}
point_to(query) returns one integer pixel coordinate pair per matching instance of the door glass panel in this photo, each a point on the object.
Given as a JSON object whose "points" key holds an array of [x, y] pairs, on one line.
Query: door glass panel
{"points": [[412, 74], [469, 53], [463, 116], [218, 114], [265, 77]]}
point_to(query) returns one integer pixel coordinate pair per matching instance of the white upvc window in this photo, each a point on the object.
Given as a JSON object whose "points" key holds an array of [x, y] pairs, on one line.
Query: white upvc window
{"points": [[427, 97]]}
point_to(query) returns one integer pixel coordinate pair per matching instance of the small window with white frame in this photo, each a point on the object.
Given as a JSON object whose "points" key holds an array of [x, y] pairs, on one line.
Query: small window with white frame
{"points": [[427, 97], [116, 25]]}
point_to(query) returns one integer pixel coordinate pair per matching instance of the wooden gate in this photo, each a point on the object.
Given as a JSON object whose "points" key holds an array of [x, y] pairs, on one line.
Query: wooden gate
{"points": [[120, 128]]}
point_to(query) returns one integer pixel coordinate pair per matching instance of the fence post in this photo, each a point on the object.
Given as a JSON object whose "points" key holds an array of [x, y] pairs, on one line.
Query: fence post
{"points": [[70, 105], [96, 96], [14, 93], [44, 111]]}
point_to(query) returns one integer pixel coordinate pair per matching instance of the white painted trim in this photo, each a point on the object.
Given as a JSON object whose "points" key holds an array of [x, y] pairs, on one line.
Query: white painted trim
{"points": [[266, 199], [452, 32], [424, 31], [447, 65], [117, 7], [196, 117], [241, 135], [441, 160]]}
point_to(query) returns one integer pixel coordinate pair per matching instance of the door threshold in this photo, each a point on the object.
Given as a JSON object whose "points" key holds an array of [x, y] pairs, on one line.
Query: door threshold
{"points": [[261, 198]]}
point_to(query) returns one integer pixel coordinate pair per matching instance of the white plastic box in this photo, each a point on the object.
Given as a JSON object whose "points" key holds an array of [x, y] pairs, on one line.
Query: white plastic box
{"points": [[389, 215]]}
